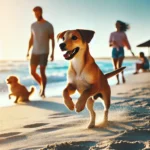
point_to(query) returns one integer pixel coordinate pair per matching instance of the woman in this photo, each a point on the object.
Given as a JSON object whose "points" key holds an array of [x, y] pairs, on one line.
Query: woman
{"points": [[118, 40], [142, 64]]}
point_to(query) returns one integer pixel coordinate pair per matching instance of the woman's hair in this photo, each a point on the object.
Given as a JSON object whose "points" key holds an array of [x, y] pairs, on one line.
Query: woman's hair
{"points": [[142, 54], [123, 26]]}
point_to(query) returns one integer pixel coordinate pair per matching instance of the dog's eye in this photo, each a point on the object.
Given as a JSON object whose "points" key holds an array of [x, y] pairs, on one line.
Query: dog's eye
{"points": [[63, 38], [74, 38]]}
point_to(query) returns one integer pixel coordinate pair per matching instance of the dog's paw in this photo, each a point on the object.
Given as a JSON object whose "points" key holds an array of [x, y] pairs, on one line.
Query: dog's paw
{"points": [[79, 106], [91, 125], [69, 103]]}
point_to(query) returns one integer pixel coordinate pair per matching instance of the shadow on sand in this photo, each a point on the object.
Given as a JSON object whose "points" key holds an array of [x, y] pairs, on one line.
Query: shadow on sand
{"points": [[48, 105]]}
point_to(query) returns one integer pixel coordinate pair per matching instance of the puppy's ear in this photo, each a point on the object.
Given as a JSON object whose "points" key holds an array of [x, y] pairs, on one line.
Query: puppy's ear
{"points": [[60, 35], [87, 35]]}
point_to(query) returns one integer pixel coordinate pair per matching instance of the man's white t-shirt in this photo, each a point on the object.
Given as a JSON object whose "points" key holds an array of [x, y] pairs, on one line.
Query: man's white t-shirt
{"points": [[41, 34]]}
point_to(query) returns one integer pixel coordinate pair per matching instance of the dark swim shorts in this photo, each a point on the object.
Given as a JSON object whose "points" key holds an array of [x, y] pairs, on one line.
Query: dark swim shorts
{"points": [[40, 59], [118, 53]]}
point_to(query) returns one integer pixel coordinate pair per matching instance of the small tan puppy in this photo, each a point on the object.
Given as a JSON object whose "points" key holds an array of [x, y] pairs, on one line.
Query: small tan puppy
{"points": [[84, 75], [18, 90]]}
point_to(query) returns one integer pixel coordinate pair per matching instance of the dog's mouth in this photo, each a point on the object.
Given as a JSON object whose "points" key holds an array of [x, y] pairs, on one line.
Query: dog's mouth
{"points": [[70, 54], [8, 82]]}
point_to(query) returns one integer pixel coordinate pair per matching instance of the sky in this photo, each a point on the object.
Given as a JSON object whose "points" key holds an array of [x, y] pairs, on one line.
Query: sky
{"points": [[98, 15]]}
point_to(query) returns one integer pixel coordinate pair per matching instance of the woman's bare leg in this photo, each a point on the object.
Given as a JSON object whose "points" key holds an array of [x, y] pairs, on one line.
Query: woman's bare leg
{"points": [[115, 62], [120, 61]]}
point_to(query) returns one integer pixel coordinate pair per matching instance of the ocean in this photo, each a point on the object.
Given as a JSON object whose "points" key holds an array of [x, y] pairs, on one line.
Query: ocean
{"points": [[56, 76]]}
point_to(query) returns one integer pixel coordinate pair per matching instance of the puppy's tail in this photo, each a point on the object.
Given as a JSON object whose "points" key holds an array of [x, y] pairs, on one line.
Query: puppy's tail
{"points": [[32, 91], [111, 74]]}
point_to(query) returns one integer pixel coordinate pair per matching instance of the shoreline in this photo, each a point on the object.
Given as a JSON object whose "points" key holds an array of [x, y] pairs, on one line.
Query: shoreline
{"points": [[96, 58]]}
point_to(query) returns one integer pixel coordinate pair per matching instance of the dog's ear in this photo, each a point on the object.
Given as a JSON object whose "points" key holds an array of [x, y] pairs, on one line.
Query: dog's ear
{"points": [[60, 35], [87, 35]]}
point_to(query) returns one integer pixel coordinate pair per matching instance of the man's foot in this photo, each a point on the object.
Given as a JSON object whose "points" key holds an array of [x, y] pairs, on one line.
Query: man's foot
{"points": [[42, 95], [135, 73]]}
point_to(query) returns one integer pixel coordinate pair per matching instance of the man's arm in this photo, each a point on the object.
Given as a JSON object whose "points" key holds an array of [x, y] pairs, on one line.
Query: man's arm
{"points": [[30, 44], [53, 46]]}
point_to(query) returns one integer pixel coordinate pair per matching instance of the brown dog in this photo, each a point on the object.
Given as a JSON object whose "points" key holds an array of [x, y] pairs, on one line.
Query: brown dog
{"points": [[83, 74], [18, 90]]}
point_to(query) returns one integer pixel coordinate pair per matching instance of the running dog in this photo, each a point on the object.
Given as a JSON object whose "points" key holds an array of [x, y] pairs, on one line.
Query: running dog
{"points": [[18, 90], [84, 75]]}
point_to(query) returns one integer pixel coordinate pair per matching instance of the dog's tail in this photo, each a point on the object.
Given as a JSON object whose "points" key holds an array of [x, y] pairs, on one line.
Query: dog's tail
{"points": [[111, 74], [31, 91]]}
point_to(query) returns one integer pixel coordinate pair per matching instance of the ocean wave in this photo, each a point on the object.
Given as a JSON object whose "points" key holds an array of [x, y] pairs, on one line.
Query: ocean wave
{"points": [[29, 81], [56, 71]]}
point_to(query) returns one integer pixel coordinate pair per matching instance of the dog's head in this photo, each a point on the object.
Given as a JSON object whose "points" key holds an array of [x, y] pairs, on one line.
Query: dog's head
{"points": [[74, 41], [12, 80]]}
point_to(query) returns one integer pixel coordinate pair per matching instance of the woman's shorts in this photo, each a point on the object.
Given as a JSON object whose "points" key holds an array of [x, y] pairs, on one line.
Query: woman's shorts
{"points": [[118, 53]]}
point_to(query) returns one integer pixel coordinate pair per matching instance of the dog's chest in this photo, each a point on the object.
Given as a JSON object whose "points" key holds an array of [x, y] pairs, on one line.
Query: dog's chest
{"points": [[80, 83]]}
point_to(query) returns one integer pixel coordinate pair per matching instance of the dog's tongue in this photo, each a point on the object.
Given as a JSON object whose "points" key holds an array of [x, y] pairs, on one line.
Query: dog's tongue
{"points": [[66, 55]]}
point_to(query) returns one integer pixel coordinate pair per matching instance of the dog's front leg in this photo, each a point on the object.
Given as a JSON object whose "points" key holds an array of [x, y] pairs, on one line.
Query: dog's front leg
{"points": [[80, 105], [9, 96], [70, 89]]}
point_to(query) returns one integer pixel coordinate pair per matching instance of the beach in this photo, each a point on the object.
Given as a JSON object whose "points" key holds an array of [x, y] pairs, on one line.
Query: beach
{"points": [[47, 124]]}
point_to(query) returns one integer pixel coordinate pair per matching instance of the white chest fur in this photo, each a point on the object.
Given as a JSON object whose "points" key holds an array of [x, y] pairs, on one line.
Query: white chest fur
{"points": [[79, 81]]}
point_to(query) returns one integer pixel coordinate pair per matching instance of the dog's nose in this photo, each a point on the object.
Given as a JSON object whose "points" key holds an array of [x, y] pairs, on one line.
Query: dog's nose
{"points": [[62, 46]]}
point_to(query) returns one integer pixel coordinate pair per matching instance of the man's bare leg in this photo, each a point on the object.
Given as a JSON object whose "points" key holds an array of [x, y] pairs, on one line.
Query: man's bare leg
{"points": [[35, 75], [43, 80]]}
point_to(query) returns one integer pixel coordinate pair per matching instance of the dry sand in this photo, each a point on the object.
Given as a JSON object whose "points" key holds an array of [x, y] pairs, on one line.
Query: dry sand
{"points": [[48, 123]]}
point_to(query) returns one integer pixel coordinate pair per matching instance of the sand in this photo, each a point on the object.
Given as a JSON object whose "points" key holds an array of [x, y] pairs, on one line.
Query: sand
{"points": [[47, 124]]}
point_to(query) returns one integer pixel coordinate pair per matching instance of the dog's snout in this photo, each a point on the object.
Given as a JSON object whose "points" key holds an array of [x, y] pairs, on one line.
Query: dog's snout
{"points": [[62, 46]]}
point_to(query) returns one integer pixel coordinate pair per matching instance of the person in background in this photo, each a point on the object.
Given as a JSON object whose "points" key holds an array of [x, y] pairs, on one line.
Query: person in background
{"points": [[142, 64], [41, 33], [118, 40]]}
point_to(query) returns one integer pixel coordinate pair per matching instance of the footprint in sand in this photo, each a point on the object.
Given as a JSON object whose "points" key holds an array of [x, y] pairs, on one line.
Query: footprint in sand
{"points": [[59, 115], [47, 129], [135, 89], [122, 93], [11, 137], [35, 125], [4, 135]]}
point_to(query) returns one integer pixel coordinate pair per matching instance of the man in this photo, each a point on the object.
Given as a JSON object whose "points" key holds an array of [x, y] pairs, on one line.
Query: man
{"points": [[41, 32]]}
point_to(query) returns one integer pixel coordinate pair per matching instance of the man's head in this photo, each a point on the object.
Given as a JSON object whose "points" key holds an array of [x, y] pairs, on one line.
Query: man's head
{"points": [[38, 12]]}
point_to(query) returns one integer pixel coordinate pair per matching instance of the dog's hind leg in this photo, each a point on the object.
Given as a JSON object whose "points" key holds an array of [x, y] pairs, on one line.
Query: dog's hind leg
{"points": [[66, 94], [106, 104], [17, 97], [90, 104]]}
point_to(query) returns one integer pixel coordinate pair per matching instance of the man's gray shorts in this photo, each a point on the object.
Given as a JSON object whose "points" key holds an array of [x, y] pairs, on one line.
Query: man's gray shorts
{"points": [[40, 59]]}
